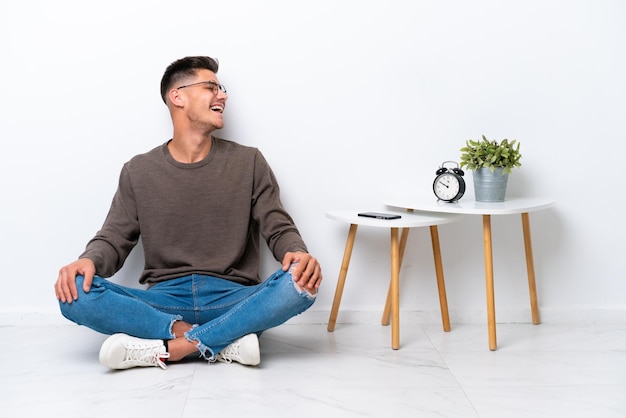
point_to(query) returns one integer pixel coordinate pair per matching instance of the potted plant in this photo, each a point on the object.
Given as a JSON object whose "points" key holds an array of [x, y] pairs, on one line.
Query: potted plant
{"points": [[491, 162]]}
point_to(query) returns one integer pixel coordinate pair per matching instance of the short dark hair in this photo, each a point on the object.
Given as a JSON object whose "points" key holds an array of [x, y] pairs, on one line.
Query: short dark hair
{"points": [[183, 68]]}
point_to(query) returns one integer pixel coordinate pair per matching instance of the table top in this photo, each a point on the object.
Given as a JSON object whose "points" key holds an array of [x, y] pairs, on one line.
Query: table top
{"points": [[407, 220], [468, 206]]}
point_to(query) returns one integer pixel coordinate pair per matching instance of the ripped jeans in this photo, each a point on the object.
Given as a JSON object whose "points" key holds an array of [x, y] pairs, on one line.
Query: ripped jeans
{"points": [[220, 311]]}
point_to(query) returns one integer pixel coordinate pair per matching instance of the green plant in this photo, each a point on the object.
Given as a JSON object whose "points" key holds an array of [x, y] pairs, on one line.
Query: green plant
{"points": [[491, 154]]}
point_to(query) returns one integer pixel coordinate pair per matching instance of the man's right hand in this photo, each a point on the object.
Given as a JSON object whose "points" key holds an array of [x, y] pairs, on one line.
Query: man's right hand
{"points": [[65, 286]]}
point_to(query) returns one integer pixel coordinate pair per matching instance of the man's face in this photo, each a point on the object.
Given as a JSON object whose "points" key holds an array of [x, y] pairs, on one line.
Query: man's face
{"points": [[204, 100]]}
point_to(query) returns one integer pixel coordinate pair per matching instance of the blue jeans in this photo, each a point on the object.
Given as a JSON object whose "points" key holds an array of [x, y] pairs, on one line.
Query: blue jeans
{"points": [[220, 311]]}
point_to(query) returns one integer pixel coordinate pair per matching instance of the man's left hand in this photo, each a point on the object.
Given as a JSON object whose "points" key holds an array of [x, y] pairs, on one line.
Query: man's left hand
{"points": [[307, 272]]}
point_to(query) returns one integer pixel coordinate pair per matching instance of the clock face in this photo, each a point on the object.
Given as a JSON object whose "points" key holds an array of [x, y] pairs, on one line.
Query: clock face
{"points": [[448, 187]]}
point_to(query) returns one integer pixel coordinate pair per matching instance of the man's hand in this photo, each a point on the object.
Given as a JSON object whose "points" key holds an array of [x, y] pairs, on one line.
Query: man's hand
{"points": [[65, 286], [307, 273]]}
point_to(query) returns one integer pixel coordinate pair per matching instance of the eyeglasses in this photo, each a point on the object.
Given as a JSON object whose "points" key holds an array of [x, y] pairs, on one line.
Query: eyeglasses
{"points": [[215, 87]]}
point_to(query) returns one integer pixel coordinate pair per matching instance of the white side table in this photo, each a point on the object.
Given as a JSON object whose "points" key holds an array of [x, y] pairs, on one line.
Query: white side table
{"points": [[407, 221], [510, 206]]}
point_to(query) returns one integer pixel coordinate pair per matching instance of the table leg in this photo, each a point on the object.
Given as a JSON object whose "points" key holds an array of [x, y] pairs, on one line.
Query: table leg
{"points": [[395, 290], [342, 277], [441, 286], [491, 311], [530, 267], [387, 310]]}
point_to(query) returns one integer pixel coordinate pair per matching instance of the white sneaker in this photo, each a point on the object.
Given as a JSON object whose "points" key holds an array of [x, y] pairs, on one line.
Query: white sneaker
{"points": [[245, 350], [121, 351]]}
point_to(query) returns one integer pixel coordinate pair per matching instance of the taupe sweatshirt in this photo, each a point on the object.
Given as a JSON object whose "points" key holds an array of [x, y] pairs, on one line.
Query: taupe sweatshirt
{"points": [[203, 218]]}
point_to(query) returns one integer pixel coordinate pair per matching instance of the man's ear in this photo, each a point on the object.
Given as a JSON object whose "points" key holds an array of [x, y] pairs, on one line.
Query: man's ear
{"points": [[175, 97]]}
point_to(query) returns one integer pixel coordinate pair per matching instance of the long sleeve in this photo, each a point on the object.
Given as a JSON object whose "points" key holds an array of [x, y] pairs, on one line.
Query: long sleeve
{"points": [[276, 226], [119, 234]]}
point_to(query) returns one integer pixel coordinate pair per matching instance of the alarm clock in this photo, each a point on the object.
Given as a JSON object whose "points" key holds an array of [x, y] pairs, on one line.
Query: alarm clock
{"points": [[449, 185]]}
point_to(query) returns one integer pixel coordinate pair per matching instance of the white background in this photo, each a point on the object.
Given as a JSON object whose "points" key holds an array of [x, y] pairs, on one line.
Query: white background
{"points": [[351, 102]]}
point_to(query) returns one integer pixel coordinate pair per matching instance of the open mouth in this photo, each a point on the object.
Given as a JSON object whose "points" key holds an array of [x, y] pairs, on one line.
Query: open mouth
{"points": [[218, 108]]}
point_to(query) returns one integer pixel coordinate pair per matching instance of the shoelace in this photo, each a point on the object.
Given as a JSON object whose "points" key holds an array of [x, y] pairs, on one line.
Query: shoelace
{"points": [[225, 356], [152, 356]]}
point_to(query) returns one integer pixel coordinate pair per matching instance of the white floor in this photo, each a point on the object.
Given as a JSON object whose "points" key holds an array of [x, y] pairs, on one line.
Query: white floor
{"points": [[537, 371]]}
